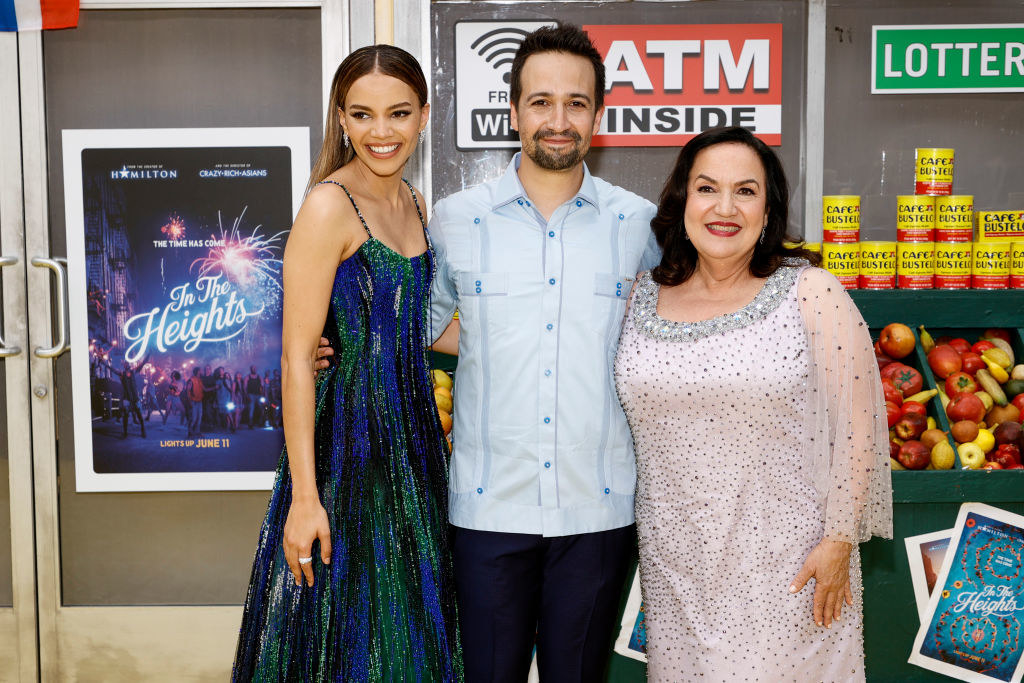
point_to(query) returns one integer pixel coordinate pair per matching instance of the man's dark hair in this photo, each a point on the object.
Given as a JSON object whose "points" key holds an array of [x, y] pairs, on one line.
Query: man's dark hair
{"points": [[566, 38]]}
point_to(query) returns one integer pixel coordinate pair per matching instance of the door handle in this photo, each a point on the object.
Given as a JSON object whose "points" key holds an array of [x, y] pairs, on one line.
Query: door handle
{"points": [[60, 345], [5, 350]]}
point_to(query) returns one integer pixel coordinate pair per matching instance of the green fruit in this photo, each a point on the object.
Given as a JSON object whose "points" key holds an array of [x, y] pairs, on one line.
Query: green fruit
{"points": [[1013, 387]]}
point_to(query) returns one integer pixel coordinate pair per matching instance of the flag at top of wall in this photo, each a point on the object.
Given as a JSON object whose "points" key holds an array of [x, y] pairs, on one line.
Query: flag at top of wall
{"points": [[34, 15]]}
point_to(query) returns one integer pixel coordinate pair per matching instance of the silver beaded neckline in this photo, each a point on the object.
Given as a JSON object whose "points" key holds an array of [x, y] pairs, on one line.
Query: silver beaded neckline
{"points": [[647, 320]]}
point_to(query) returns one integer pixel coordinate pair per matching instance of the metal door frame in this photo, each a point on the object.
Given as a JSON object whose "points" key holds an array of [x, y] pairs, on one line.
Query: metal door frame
{"points": [[57, 642]]}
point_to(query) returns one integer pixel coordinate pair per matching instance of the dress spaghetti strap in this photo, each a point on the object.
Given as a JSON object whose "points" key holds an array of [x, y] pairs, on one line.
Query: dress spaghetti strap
{"points": [[356, 206]]}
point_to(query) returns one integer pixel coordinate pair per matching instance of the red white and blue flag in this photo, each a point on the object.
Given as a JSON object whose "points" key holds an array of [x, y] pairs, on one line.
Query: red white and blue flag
{"points": [[33, 15]]}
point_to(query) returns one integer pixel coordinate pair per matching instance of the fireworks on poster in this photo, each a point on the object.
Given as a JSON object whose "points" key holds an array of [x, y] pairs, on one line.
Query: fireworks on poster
{"points": [[176, 326]]}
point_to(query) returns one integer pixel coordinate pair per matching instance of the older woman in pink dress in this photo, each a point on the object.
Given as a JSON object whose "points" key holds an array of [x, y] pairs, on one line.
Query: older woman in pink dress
{"points": [[750, 385]]}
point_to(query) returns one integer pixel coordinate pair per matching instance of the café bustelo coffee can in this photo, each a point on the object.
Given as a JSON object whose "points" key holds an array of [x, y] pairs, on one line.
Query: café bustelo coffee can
{"points": [[840, 218], [842, 260], [990, 267], [915, 218], [953, 265], [1017, 265], [933, 171], [915, 265], [878, 265], [954, 218]]}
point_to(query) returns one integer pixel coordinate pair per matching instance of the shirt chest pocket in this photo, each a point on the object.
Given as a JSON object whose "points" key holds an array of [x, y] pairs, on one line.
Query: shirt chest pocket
{"points": [[483, 297], [610, 292]]}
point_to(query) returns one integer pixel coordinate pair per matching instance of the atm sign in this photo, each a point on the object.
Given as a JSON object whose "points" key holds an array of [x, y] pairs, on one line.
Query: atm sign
{"points": [[667, 83]]}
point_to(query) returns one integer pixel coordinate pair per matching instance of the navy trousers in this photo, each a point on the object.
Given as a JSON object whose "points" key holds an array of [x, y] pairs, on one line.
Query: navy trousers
{"points": [[561, 591]]}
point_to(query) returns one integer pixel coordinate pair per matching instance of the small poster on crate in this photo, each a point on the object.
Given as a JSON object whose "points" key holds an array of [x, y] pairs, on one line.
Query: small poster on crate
{"points": [[972, 628], [925, 554]]}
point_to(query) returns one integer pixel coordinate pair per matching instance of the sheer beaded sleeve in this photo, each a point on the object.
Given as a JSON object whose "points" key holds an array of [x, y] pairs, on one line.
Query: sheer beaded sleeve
{"points": [[848, 445]]}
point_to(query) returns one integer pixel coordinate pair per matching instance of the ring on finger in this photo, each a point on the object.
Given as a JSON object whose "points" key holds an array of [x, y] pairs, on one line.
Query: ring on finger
{"points": [[305, 560]]}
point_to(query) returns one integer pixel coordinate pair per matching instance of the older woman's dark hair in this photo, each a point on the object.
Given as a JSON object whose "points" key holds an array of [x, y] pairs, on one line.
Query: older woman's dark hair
{"points": [[679, 257]]}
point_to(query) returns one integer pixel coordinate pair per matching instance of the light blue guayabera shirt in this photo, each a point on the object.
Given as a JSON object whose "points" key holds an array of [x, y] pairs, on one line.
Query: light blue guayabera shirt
{"points": [[541, 445]]}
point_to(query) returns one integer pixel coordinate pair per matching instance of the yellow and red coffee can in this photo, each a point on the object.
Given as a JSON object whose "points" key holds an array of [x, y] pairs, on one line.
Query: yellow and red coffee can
{"points": [[933, 171], [953, 265], [1017, 265], [840, 218], [842, 259], [915, 265], [1000, 226], [990, 267], [915, 218], [877, 265], [954, 218]]}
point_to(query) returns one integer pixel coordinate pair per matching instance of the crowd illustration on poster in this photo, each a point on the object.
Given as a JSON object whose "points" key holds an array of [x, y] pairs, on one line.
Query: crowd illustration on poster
{"points": [[176, 240]]}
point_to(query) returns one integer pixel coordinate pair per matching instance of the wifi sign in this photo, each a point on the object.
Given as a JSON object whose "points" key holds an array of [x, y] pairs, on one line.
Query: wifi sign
{"points": [[483, 64]]}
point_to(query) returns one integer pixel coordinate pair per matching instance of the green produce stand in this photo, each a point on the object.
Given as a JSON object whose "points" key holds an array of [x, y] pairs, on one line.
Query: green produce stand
{"points": [[923, 501]]}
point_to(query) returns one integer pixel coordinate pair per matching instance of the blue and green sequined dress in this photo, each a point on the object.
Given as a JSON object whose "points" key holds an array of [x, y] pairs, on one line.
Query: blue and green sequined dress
{"points": [[384, 608]]}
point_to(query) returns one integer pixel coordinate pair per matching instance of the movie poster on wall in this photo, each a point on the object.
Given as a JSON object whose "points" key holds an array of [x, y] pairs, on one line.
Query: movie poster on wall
{"points": [[972, 628], [175, 245]]}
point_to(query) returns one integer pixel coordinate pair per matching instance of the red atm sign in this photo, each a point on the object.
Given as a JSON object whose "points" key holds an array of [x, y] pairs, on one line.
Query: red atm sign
{"points": [[667, 83]]}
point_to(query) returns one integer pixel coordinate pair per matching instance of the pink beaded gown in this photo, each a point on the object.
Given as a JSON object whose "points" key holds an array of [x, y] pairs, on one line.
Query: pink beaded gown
{"points": [[757, 433]]}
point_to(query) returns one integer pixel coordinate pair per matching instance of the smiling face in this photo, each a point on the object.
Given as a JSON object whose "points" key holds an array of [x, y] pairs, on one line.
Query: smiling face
{"points": [[556, 116], [383, 119], [725, 202]]}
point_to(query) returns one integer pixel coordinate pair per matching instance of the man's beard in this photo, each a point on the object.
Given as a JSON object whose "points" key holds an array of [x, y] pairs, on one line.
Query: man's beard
{"points": [[555, 161]]}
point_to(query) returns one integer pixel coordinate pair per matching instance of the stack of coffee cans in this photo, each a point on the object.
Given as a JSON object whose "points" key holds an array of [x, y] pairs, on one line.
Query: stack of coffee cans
{"points": [[840, 248]]}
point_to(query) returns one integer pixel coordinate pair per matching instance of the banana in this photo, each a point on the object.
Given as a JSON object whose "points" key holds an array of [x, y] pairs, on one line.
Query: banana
{"points": [[996, 369], [943, 398], [927, 343], [922, 396], [932, 424], [895, 465], [991, 386], [998, 356], [1005, 348]]}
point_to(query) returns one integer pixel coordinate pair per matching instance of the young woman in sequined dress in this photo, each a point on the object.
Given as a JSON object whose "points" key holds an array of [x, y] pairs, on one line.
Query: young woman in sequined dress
{"points": [[352, 579], [750, 385]]}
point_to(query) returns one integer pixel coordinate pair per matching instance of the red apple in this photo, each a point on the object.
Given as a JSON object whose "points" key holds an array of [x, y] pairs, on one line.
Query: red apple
{"points": [[1006, 455], [971, 362], [1018, 401], [914, 455], [907, 380], [896, 340], [910, 426], [1007, 433], [965, 407], [982, 346], [960, 383], [944, 360], [894, 449], [913, 407], [892, 413], [996, 333], [890, 392], [960, 344], [991, 465]]}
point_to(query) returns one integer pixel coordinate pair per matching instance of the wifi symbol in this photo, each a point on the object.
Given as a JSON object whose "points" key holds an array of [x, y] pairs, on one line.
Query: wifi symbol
{"points": [[499, 47]]}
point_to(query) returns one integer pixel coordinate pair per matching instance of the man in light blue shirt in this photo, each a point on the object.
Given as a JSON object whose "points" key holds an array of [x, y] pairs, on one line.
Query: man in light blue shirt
{"points": [[539, 264]]}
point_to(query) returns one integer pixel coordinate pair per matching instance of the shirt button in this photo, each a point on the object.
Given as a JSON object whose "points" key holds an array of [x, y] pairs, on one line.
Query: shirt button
{"points": [[477, 220], [478, 290], [520, 202], [547, 420], [479, 490], [547, 465], [607, 491], [551, 233], [478, 283], [579, 203], [621, 217], [528, 203], [547, 373], [551, 281], [550, 326]]}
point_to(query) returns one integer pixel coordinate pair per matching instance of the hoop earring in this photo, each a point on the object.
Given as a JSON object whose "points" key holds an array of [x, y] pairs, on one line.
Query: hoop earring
{"points": [[344, 138], [761, 238]]}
